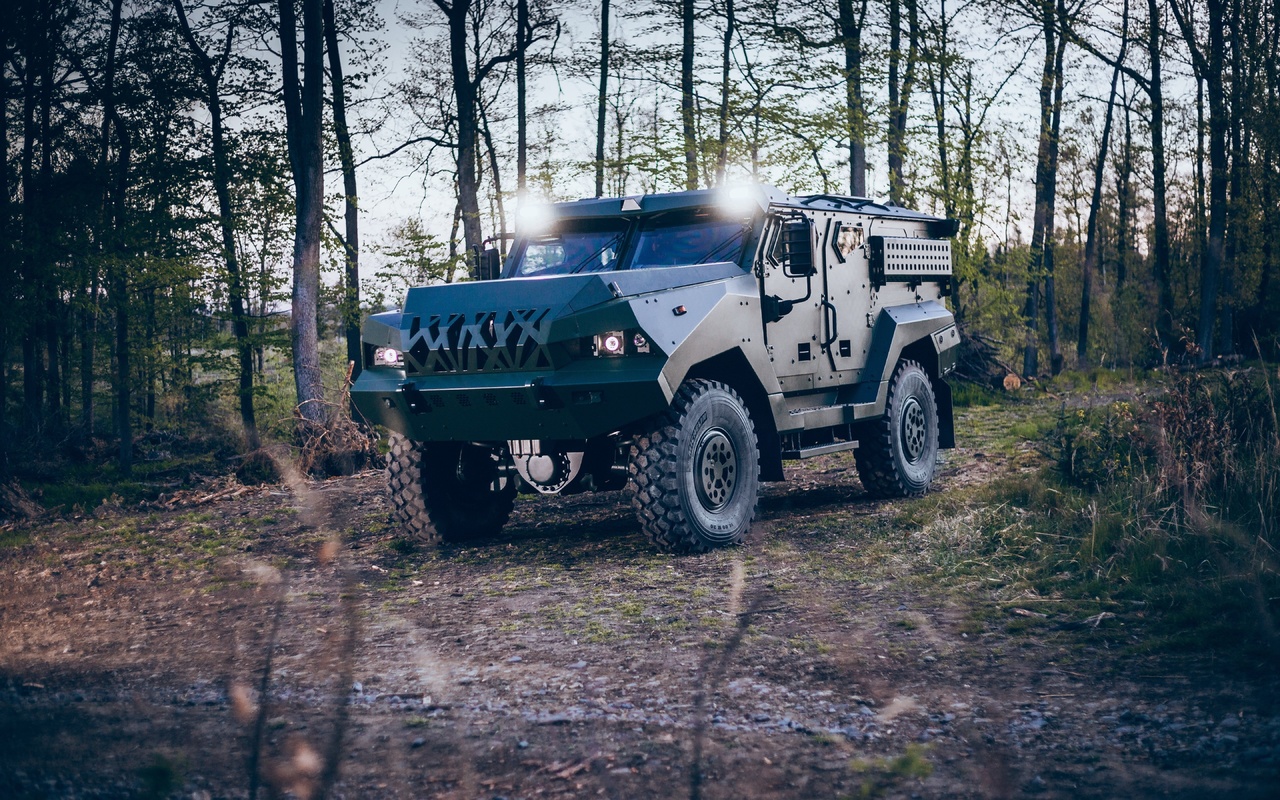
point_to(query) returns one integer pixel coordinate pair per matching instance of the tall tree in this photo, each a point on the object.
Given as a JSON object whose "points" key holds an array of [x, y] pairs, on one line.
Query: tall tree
{"points": [[1048, 16], [850, 22], [900, 90], [211, 70], [603, 96], [304, 109], [722, 139], [466, 85], [1153, 84], [848, 26], [1090, 262], [522, 115], [1209, 62], [688, 121], [351, 207]]}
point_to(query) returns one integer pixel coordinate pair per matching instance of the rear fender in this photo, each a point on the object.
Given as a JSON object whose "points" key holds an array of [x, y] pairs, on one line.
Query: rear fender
{"points": [[925, 331]]}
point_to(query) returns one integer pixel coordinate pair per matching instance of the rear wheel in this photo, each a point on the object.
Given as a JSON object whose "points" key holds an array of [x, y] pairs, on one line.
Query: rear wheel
{"points": [[897, 454], [447, 491], [695, 476]]}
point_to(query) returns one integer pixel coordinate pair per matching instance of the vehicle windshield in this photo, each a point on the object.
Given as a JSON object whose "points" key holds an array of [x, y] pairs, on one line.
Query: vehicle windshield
{"points": [[575, 246], [687, 239], [598, 245]]}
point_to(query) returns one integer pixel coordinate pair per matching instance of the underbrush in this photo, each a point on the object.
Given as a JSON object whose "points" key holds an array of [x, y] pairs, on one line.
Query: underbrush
{"points": [[66, 470], [1168, 507]]}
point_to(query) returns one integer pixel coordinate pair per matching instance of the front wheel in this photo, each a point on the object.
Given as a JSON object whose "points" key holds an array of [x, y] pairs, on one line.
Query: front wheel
{"points": [[695, 476], [447, 490], [897, 454]]}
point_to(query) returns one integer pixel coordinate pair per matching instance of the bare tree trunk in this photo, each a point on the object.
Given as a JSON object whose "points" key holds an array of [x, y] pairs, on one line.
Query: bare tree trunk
{"points": [[32, 367], [937, 60], [304, 104], [722, 155], [855, 110], [124, 374], [453, 243], [1209, 63], [464, 88], [1159, 205], [686, 96], [1124, 200], [351, 205], [522, 117], [48, 291], [604, 93], [900, 93], [211, 77], [1046, 178], [1095, 202], [1050, 242]]}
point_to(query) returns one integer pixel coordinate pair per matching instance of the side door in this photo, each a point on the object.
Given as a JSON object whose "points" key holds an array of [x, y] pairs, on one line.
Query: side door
{"points": [[789, 268]]}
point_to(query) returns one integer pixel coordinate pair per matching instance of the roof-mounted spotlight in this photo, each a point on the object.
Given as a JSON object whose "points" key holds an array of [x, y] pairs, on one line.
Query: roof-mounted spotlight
{"points": [[739, 199], [534, 217]]}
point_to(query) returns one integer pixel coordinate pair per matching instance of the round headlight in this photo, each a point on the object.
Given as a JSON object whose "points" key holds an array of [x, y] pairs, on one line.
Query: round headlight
{"points": [[387, 356]]}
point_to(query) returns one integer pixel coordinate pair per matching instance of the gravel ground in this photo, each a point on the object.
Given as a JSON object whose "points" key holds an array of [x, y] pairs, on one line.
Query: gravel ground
{"points": [[825, 658]]}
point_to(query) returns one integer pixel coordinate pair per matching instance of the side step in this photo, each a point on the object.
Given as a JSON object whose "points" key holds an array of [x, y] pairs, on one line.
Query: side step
{"points": [[818, 450]]}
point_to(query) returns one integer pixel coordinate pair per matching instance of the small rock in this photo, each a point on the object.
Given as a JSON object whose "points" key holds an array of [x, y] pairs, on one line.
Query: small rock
{"points": [[577, 665], [419, 742], [1230, 722], [514, 660], [357, 687], [522, 744], [761, 717]]}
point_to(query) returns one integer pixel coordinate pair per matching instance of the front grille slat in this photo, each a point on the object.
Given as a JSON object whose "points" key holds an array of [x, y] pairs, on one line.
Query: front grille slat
{"points": [[485, 341]]}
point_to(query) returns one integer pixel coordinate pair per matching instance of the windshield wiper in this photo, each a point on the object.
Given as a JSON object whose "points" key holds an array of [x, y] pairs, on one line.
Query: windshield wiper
{"points": [[725, 244], [584, 262]]}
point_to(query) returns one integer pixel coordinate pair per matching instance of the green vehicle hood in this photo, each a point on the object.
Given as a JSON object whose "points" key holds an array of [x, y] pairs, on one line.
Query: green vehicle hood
{"points": [[520, 323], [558, 294]]}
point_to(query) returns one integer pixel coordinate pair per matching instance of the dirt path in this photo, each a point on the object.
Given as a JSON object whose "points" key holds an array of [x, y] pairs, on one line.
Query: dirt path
{"points": [[824, 659]]}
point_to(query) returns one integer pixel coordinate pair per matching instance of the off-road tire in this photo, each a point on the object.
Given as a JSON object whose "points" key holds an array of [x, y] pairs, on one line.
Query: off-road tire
{"points": [[695, 476], [897, 454], [435, 500]]}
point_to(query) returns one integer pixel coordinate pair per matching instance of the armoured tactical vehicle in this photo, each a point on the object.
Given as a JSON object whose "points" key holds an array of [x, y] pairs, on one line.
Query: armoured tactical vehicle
{"points": [[681, 345]]}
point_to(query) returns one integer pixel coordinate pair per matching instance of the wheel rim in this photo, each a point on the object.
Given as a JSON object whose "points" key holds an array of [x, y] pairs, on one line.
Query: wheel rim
{"points": [[914, 430], [717, 469]]}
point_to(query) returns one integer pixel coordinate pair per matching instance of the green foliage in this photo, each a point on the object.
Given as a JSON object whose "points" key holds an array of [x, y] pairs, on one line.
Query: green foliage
{"points": [[886, 774], [412, 257], [1171, 504]]}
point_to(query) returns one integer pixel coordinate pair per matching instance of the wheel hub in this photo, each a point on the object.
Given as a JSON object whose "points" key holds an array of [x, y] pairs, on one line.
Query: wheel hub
{"points": [[717, 465], [914, 429]]}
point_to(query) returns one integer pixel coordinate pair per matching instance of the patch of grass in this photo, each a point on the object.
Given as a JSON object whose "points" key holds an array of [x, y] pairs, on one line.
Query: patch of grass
{"points": [[14, 538], [403, 546], [886, 774], [161, 776], [967, 395]]}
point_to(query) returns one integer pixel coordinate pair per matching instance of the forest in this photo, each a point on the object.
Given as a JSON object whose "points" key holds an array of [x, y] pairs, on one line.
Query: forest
{"points": [[202, 199], [206, 591]]}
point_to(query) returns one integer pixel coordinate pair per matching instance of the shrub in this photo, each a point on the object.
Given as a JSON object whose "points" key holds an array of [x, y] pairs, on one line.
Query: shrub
{"points": [[1184, 498]]}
